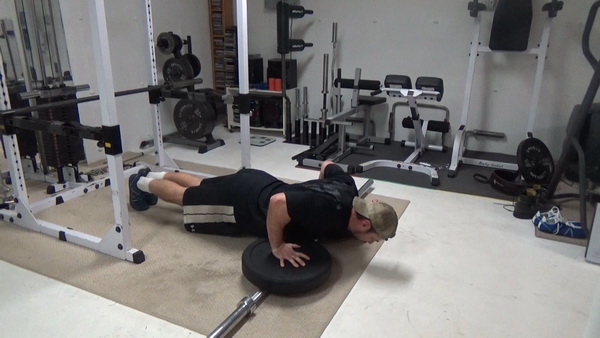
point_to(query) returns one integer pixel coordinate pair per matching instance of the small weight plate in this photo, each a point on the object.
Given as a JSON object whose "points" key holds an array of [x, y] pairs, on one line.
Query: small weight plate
{"points": [[194, 119], [168, 43], [535, 161], [177, 69]]}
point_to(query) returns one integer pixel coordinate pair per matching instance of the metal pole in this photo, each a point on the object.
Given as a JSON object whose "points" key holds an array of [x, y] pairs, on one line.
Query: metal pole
{"points": [[325, 86], [162, 159], [244, 83], [246, 307]]}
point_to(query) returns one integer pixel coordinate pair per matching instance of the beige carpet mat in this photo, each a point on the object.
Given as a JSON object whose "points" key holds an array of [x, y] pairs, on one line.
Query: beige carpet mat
{"points": [[187, 279]]}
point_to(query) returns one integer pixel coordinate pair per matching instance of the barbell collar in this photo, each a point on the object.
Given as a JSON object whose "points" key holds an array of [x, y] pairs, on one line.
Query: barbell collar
{"points": [[244, 103], [245, 307]]}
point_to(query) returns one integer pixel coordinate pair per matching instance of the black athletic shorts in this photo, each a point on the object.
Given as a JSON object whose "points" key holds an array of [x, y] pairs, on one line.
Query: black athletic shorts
{"points": [[232, 205]]}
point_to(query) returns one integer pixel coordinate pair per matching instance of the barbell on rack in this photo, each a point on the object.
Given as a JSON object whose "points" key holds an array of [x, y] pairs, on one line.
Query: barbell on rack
{"points": [[153, 91], [59, 91], [109, 137]]}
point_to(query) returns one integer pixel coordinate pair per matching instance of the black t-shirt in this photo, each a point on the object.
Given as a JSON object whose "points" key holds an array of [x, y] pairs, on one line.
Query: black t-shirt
{"points": [[320, 209]]}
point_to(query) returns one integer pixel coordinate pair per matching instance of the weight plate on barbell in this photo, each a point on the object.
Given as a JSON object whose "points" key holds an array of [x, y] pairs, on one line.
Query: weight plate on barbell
{"points": [[194, 119], [177, 69], [535, 161]]}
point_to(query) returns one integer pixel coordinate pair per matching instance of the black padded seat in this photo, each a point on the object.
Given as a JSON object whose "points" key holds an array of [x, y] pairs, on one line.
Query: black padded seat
{"points": [[370, 100]]}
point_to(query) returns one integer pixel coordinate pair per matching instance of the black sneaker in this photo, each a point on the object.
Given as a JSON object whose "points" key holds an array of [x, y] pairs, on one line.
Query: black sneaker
{"points": [[526, 207], [529, 204], [137, 198], [150, 198]]}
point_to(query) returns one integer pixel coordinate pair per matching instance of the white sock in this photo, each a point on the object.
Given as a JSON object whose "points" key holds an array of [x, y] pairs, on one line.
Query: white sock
{"points": [[159, 175], [144, 183]]}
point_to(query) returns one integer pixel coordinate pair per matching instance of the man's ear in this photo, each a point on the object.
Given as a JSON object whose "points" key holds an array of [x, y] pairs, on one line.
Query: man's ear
{"points": [[366, 224]]}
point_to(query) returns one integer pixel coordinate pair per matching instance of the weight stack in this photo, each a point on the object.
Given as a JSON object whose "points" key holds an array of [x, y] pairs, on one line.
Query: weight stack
{"points": [[274, 71], [26, 138], [61, 150]]}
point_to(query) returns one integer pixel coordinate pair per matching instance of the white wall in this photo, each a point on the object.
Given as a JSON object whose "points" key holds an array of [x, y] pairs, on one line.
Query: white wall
{"points": [[415, 38]]}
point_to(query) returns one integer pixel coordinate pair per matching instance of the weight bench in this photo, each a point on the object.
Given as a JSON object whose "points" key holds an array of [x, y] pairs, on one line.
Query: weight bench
{"points": [[427, 88], [358, 103], [339, 145]]}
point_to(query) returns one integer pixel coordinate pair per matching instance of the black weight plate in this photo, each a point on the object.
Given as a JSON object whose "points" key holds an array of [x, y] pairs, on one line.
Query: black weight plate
{"points": [[535, 161], [262, 269], [194, 119], [168, 43], [195, 62], [165, 43], [177, 69]]}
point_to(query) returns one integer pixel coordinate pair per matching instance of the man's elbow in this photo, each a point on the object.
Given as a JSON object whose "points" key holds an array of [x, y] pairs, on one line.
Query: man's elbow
{"points": [[278, 213], [326, 163], [323, 166], [277, 200]]}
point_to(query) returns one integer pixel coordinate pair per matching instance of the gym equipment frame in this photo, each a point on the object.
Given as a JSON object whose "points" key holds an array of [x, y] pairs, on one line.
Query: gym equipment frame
{"points": [[117, 240], [427, 89], [576, 124], [336, 147], [459, 148]]}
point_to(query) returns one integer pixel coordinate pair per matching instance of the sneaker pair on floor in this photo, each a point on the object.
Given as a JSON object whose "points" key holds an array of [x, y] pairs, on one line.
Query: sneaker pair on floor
{"points": [[552, 222], [138, 199]]}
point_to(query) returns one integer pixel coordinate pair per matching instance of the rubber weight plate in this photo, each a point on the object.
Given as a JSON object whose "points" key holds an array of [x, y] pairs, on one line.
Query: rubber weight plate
{"points": [[168, 43], [194, 62], [177, 69], [194, 119], [262, 269], [535, 161]]}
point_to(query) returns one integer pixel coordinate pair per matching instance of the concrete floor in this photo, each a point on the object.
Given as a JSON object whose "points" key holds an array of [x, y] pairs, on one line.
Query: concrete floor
{"points": [[460, 265]]}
